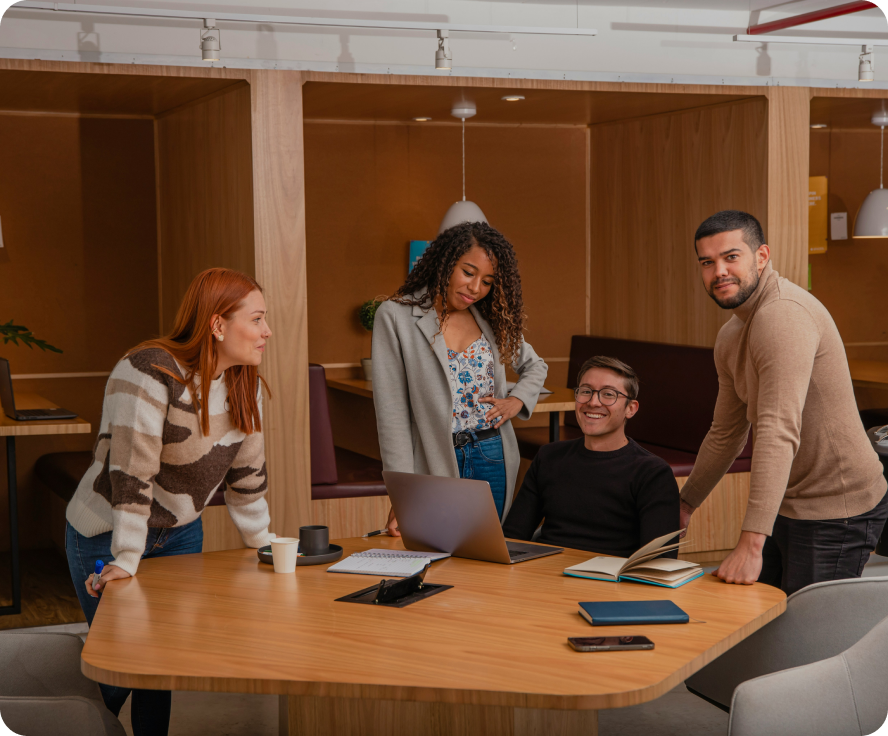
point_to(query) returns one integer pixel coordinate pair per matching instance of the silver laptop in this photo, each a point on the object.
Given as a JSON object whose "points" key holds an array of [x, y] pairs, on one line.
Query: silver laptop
{"points": [[456, 516], [7, 401]]}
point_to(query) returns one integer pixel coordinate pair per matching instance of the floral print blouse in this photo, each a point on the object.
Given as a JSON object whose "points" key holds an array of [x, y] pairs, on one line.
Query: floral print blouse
{"points": [[471, 378]]}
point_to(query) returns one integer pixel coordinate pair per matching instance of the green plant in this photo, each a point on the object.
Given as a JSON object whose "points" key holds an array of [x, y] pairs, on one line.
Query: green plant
{"points": [[367, 312], [13, 333]]}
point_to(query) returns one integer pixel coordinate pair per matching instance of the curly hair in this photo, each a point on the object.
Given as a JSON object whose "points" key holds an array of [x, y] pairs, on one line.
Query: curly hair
{"points": [[503, 307]]}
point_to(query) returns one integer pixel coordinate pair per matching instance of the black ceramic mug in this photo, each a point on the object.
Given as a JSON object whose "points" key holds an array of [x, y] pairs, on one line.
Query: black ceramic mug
{"points": [[314, 540]]}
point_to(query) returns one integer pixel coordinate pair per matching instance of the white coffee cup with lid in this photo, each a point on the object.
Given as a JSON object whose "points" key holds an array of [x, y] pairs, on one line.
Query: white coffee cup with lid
{"points": [[284, 551]]}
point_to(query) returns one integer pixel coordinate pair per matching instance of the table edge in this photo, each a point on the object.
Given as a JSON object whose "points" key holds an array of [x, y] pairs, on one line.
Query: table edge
{"points": [[452, 696]]}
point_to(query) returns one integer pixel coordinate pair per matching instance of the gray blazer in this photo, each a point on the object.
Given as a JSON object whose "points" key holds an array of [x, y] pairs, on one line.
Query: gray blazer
{"points": [[411, 392]]}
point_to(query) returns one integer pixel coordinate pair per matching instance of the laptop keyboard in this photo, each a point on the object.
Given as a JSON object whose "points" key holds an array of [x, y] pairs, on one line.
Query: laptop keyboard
{"points": [[37, 412], [516, 553]]}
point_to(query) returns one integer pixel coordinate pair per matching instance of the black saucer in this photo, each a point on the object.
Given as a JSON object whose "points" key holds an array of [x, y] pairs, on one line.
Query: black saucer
{"points": [[333, 553]]}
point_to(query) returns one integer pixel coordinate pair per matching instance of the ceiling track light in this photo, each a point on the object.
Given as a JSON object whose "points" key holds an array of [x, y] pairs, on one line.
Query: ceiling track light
{"points": [[443, 57], [865, 67], [210, 41]]}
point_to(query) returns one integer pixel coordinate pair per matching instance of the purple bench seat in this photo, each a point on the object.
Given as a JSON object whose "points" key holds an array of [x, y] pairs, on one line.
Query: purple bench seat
{"points": [[678, 389]]}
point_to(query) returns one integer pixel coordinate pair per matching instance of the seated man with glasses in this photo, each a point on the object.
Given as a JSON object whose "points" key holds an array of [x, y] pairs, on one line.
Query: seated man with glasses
{"points": [[603, 492]]}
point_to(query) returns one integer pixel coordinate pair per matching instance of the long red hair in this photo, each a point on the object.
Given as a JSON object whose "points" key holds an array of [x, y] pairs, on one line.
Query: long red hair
{"points": [[214, 291]]}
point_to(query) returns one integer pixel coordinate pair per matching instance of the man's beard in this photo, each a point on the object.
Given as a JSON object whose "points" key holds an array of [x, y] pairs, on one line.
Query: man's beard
{"points": [[743, 293]]}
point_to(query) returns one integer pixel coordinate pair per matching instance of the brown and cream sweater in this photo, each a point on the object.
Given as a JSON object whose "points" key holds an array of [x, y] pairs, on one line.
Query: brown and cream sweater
{"points": [[782, 368], [152, 466]]}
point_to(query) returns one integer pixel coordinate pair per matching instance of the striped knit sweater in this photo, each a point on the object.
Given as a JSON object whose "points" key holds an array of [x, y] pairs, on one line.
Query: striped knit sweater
{"points": [[152, 467]]}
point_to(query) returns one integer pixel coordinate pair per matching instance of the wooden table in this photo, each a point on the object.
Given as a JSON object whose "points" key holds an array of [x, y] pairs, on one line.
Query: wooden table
{"points": [[489, 656], [11, 428], [561, 399], [869, 373]]}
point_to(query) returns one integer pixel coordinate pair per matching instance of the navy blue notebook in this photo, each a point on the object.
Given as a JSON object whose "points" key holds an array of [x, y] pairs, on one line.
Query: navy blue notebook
{"points": [[615, 613]]}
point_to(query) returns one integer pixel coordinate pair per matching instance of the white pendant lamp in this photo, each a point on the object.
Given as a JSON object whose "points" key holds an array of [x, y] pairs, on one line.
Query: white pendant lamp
{"points": [[462, 211], [872, 217]]}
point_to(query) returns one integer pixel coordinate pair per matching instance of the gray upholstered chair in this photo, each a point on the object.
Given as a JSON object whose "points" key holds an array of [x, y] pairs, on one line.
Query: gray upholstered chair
{"points": [[821, 621], [845, 695], [44, 693]]}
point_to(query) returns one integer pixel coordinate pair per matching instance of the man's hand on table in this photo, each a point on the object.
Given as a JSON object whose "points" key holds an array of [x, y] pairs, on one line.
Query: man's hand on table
{"points": [[744, 564], [111, 572]]}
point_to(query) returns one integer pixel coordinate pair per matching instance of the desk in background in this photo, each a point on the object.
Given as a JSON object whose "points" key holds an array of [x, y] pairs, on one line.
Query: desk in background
{"points": [[561, 399], [10, 428], [488, 657]]}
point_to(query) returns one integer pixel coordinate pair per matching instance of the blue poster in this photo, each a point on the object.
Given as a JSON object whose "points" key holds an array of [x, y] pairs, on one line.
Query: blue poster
{"points": [[417, 248]]}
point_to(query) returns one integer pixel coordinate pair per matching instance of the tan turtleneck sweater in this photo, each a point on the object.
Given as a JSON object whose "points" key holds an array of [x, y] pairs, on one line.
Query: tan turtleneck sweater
{"points": [[782, 368]]}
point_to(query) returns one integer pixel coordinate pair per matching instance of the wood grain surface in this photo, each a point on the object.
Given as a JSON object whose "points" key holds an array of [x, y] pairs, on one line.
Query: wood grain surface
{"points": [[204, 193], [869, 373], [717, 523], [306, 715], [786, 226], [656, 180], [14, 428], [351, 517], [226, 622], [279, 227]]}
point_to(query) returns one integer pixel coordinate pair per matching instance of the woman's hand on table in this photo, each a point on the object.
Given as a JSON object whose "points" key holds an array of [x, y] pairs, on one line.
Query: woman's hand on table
{"points": [[391, 526], [502, 410], [111, 572]]}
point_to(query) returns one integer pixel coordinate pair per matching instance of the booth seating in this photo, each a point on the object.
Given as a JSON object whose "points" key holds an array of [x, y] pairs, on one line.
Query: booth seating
{"points": [[678, 389], [335, 471]]}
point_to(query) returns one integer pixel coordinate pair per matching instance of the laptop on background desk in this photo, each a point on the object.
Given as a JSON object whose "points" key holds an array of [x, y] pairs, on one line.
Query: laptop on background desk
{"points": [[7, 400], [454, 515]]}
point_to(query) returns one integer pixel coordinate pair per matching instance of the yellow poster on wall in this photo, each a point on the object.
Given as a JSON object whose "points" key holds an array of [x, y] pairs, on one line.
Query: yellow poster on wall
{"points": [[818, 215]]}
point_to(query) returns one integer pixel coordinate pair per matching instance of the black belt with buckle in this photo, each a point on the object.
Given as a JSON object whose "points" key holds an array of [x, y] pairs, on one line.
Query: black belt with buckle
{"points": [[464, 437]]}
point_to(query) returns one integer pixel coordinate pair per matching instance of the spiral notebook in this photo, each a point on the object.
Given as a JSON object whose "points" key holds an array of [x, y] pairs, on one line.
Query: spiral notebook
{"points": [[386, 562]]}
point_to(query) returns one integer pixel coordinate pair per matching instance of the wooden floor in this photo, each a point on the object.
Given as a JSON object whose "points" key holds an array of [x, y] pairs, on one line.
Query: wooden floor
{"points": [[48, 595]]}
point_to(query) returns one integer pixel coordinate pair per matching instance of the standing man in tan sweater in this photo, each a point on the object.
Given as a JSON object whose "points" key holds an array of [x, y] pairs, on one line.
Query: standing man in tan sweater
{"points": [[817, 500]]}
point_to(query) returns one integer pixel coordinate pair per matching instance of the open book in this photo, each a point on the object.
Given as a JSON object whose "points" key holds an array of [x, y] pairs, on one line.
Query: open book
{"points": [[641, 567]]}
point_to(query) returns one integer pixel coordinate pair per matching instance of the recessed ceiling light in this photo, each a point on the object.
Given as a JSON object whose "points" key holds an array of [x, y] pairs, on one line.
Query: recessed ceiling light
{"points": [[421, 120], [513, 98], [818, 125]]}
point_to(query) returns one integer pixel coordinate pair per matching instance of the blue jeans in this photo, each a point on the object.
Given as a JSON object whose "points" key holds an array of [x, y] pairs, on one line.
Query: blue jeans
{"points": [[150, 708], [483, 460]]}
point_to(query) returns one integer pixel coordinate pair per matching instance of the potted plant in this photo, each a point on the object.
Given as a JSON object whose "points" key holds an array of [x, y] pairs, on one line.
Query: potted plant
{"points": [[14, 333], [366, 314]]}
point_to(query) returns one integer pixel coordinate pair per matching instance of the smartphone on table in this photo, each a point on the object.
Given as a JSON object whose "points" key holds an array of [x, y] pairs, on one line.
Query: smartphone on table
{"points": [[609, 643]]}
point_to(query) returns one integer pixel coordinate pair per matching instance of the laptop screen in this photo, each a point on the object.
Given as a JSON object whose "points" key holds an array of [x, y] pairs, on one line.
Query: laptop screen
{"points": [[6, 397]]}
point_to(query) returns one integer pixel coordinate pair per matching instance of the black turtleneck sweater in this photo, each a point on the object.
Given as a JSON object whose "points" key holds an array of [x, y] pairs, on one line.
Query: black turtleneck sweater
{"points": [[606, 502]]}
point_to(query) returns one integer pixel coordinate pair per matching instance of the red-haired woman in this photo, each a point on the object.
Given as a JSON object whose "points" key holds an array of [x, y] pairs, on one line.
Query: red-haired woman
{"points": [[182, 417]]}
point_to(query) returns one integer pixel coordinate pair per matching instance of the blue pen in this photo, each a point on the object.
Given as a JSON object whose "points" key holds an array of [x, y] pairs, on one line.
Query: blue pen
{"points": [[99, 567]]}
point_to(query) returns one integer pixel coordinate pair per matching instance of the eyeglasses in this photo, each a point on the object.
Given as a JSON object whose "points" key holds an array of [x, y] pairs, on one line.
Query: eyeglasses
{"points": [[607, 396]]}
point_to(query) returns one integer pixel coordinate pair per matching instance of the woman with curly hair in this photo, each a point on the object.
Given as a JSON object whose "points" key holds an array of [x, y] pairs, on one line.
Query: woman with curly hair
{"points": [[441, 345]]}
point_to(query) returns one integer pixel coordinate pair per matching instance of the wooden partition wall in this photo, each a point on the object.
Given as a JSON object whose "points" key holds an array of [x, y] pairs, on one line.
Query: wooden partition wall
{"points": [[134, 180], [230, 183], [230, 194], [78, 218]]}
